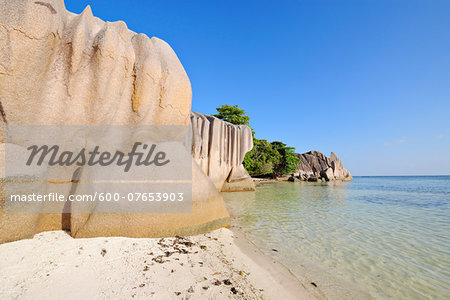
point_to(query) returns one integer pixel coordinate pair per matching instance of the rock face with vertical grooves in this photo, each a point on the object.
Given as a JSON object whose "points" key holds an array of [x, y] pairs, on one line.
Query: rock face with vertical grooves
{"points": [[60, 68], [219, 148], [57, 67], [315, 165]]}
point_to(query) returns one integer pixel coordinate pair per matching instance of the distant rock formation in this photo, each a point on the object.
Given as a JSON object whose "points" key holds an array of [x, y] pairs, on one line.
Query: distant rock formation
{"points": [[219, 148], [315, 166], [60, 68]]}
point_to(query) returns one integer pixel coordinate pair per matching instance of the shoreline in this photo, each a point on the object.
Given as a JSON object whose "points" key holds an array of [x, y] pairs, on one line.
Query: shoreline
{"points": [[221, 264], [326, 286], [283, 276], [273, 267], [309, 281]]}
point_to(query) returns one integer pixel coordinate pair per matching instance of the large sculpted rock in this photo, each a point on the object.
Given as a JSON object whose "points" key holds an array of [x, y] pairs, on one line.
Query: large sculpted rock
{"points": [[314, 165], [60, 68], [219, 148], [14, 226], [57, 67]]}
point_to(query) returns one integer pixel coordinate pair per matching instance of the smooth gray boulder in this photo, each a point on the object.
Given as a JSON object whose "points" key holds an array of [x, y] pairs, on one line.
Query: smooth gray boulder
{"points": [[327, 174], [315, 165]]}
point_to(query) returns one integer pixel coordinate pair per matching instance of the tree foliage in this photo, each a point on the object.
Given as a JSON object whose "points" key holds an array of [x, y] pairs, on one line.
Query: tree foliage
{"points": [[288, 162], [265, 158], [262, 158], [232, 114]]}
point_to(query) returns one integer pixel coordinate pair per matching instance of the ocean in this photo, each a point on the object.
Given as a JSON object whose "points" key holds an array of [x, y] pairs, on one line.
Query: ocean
{"points": [[374, 237]]}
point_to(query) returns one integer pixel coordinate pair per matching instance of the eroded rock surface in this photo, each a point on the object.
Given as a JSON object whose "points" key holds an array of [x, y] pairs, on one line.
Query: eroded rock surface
{"points": [[315, 165], [60, 68], [57, 67], [219, 148]]}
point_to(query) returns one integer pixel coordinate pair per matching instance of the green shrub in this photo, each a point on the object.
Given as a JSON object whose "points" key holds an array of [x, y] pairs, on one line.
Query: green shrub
{"points": [[265, 158], [232, 114]]}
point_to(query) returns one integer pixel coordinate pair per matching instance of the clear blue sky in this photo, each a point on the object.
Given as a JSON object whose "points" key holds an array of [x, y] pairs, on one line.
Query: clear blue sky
{"points": [[367, 79]]}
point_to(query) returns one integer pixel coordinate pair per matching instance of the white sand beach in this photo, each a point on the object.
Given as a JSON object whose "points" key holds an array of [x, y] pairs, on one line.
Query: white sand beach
{"points": [[216, 265]]}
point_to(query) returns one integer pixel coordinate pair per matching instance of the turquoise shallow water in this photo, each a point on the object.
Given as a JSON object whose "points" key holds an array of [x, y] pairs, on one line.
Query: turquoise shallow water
{"points": [[374, 237]]}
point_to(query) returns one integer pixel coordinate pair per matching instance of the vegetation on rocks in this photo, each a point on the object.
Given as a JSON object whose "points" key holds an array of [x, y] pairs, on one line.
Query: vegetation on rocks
{"points": [[232, 114], [266, 158]]}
